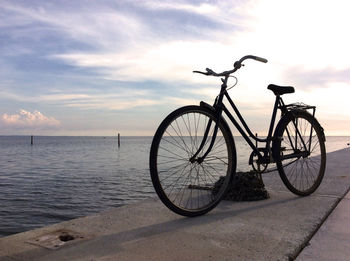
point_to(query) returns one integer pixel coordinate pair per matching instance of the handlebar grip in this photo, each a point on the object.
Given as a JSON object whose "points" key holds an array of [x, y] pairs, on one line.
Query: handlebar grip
{"points": [[260, 59]]}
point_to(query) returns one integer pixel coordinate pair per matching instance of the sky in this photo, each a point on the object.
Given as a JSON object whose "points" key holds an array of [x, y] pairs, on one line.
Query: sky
{"points": [[103, 67]]}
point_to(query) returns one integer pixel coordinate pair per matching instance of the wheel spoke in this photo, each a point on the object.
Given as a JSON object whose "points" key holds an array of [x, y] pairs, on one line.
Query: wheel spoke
{"points": [[185, 185], [304, 174]]}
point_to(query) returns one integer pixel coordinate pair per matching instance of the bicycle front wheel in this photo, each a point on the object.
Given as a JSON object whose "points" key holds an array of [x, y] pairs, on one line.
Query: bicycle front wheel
{"points": [[300, 154], [184, 185]]}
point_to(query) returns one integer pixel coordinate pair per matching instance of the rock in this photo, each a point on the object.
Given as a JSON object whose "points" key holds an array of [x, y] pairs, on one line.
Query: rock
{"points": [[244, 186]]}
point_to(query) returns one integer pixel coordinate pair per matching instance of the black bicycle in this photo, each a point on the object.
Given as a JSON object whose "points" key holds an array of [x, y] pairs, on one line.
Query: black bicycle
{"points": [[193, 148]]}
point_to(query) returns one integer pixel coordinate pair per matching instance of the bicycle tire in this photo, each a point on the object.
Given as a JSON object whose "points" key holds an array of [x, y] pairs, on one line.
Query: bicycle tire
{"points": [[185, 187], [302, 175]]}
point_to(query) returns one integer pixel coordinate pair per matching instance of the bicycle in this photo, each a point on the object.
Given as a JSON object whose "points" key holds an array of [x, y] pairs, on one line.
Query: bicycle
{"points": [[193, 147]]}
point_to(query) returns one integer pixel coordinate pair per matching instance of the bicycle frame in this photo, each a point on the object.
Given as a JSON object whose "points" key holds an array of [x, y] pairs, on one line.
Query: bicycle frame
{"points": [[193, 157], [266, 158]]}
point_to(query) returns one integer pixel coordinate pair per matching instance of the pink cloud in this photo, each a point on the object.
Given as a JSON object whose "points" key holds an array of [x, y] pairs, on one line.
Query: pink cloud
{"points": [[29, 119]]}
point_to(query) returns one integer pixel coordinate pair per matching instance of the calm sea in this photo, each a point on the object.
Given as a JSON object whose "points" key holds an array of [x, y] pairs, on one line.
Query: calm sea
{"points": [[61, 178]]}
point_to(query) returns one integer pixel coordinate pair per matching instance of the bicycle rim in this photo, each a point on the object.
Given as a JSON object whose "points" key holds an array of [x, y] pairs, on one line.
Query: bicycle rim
{"points": [[184, 186], [302, 175]]}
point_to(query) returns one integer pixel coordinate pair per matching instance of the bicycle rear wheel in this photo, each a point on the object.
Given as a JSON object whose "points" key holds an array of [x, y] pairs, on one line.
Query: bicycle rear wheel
{"points": [[299, 152], [185, 186]]}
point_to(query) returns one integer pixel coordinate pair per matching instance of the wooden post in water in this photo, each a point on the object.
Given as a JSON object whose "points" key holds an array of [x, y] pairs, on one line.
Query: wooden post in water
{"points": [[118, 140], [31, 140]]}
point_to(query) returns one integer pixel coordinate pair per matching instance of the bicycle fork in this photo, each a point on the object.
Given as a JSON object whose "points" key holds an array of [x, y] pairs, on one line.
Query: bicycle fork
{"points": [[218, 109], [204, 141]]}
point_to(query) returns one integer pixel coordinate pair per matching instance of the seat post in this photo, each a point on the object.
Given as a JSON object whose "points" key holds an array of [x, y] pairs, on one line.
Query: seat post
{"points": [[274, 113]]}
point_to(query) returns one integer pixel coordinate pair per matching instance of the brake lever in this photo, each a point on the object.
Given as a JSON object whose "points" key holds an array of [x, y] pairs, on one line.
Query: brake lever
{"points": [[209, 71]]}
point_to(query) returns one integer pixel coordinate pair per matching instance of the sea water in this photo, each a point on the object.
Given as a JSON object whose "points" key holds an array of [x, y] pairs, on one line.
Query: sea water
{"points": [[61, 178]]}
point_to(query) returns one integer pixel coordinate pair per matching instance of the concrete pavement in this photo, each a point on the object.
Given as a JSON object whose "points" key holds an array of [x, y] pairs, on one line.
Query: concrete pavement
{"points": [[274, 229], [332, 240]]}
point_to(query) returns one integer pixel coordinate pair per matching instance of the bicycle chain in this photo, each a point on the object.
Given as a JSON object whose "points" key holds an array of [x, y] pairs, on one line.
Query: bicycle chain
{"points": [[274, 169]]}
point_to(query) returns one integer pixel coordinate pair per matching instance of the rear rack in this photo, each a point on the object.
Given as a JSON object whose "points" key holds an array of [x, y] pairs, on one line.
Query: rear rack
{"points": [[299, 106]]}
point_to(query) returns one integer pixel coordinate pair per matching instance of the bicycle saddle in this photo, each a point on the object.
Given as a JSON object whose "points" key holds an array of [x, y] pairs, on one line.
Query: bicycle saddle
{"points": [[279, 90]]}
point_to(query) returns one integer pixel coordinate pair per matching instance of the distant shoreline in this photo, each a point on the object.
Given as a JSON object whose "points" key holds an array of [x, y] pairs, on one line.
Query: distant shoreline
{"points": [[126, 136]]}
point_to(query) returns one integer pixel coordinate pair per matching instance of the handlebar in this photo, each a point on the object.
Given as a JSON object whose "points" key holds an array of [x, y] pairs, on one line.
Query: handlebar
{"points": [[238, 64]]}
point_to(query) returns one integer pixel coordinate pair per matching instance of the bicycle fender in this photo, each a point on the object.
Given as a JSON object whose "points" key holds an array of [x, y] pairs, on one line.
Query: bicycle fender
{"points": [[275, 138], [289, 115], [323, 136], [212, 109]]}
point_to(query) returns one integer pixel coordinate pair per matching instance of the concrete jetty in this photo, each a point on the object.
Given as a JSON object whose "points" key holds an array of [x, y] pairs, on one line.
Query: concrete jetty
{"points": [[284, 227]]}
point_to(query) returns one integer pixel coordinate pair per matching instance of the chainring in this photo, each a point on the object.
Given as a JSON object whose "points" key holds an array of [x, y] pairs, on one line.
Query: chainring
{"points": [[253, 160]]}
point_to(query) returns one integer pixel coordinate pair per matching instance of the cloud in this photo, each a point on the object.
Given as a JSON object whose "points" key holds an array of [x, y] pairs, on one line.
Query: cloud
{"points": [[317, 78], [124, 99], [120, 99], [165, 40], [202, 8], [29, 119], [168, 62], [211, 35], [131, 40]]}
